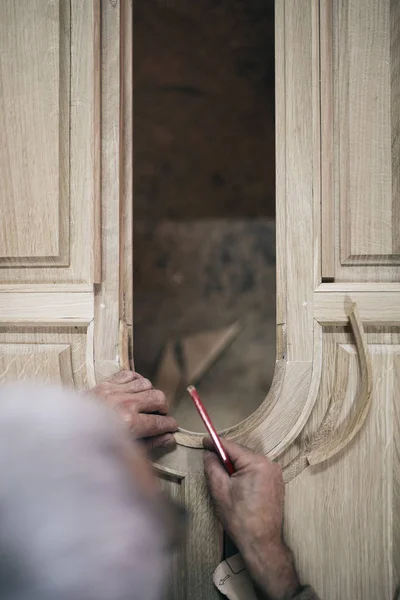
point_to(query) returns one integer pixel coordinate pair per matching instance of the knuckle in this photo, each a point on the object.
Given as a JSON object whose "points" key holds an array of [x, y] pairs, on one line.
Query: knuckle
{"points": [[161, 398]]}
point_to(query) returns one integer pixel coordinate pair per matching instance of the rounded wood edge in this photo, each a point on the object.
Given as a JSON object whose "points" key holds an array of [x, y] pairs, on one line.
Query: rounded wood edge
{"points": [[167, 472], [269, 428], [241, 430], [362, 402], [309, 401]]}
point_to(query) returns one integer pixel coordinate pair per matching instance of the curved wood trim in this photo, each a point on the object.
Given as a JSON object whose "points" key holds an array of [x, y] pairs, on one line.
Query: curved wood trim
{"points": [[280, 419], [168, 473], [344, 434], [191, 439]]}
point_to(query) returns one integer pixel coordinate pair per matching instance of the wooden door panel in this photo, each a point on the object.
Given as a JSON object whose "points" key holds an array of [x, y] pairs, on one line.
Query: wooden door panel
{"points": [[341, 515], [53, 354], [65, 185], [360, 113], [337, 111], [47, 84], [34, 107]]}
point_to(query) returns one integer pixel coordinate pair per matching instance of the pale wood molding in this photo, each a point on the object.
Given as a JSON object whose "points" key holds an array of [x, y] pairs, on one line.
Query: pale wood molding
{"points": [[42, 308], [376, 307]]}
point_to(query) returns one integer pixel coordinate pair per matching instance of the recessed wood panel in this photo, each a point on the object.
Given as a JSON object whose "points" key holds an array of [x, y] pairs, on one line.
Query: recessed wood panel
{"points": [[49, 157], [363, 84], [360, 485], [34, 121], [360, 110], [50, 363], [55, 351]]}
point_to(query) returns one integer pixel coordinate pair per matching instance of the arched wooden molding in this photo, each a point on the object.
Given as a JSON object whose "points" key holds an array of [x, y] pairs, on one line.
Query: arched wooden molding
{"points": [[329, 441], [344, 434]]}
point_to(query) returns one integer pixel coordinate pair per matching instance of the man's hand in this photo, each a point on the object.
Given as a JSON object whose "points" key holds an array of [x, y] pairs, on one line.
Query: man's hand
{"points": [[249, 505], [142, 408]]}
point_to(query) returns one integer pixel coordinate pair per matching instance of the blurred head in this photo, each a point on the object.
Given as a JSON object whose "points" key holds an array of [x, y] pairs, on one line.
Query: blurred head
{"points": [[78, 503]]}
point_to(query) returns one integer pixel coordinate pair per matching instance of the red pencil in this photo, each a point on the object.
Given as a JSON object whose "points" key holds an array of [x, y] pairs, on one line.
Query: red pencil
{"points": [[226, 461]]}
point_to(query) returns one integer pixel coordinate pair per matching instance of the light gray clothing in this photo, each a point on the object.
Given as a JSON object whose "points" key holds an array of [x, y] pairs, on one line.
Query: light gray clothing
{"points": [[73, 525]]}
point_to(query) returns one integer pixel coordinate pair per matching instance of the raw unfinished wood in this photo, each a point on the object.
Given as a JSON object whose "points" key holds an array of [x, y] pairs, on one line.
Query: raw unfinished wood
{"points": [[124, 346], [62, 308], [342, 436], [351, 501], [50, 337], [50, 363], [327, 212], [113, 299], [301, 188], [34, 113], [46, 234], [360, 107], [126, 167], [348, 505], [375, 307], [368, 233], [51, 234], [96, 248]]}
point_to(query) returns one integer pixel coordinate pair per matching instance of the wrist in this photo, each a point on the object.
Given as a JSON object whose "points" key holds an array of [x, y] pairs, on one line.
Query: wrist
{"points": [[272, 568]]}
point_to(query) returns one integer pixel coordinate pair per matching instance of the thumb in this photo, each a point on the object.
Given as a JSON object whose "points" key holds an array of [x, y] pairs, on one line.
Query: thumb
{"points": [[217, 478], [239, 455]]}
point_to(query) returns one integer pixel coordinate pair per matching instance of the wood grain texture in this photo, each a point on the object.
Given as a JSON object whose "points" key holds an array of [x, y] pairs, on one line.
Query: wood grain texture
{"points": [[280, 194], [47, 308], [126, 167], [174, 486], [46, 345], [360, 116], [346, 548], [342, 515], [299, 79], [106, 326], [203, 546], [46, 230], [375, 307], [96, 247], [333, 442], [34, 109], [47, 284], [50, 363], [327, 209], [113, 298]]}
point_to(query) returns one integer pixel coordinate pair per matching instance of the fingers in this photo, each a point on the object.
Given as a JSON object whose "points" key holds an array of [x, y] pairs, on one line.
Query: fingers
{"points": [[152, 401], [145, 425], [139, 384], [124, 377], [166, 440]]}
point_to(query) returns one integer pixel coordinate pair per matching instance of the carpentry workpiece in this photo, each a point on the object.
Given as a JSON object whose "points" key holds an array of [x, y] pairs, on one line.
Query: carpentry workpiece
{"points": [[331, 417]]}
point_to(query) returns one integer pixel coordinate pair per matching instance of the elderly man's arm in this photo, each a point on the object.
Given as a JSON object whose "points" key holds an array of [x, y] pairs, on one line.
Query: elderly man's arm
{"points": [[143, 408], [249, 505]]}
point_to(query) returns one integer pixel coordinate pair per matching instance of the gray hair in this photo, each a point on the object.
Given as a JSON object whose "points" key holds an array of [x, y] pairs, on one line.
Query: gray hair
{"points": [[73, 525]]}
